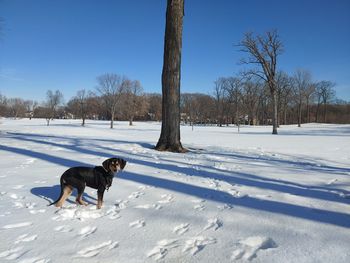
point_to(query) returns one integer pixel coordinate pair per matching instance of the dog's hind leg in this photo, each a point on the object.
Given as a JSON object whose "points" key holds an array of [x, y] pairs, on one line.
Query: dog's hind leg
{"points": [[79, 199], [67, 190], [61, 194]]}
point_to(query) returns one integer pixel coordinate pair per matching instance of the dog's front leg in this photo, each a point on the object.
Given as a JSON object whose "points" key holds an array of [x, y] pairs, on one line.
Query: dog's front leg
{"points": [[100, 198]]}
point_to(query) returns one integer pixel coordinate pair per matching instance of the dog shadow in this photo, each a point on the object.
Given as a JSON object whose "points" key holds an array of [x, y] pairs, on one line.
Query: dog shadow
{"points": [[51, 194]]}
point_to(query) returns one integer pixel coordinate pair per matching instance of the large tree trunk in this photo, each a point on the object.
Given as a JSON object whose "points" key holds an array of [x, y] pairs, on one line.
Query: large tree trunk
{"points": [[170, 134]]}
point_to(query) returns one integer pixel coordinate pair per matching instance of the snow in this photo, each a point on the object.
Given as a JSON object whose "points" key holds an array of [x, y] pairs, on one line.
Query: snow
{"points": [[235, 197]]}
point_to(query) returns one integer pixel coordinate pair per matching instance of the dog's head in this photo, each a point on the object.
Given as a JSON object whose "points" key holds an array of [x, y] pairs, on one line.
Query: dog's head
{"points": [[114, 164]]}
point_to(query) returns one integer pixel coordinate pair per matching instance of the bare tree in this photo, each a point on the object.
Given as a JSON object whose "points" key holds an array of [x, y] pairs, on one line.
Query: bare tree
{"points": [[110, 86], [302, 82], [206, 108], [284, 89], [133, 101], [154, 106], [327, 93], [199, 108], [16, 107], [220, 97], [83, 99], [251, 89], [233, 87], [170, 133], [264, 50], [188, 107], [53, 100], [309, 93]]}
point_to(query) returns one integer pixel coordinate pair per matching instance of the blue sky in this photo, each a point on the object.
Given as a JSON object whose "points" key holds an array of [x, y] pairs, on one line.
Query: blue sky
{"points": [[66, 44]]}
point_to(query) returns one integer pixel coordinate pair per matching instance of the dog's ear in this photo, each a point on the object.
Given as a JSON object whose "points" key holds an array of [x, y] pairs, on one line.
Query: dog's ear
{"points": [[105, 164], [122, 163]]}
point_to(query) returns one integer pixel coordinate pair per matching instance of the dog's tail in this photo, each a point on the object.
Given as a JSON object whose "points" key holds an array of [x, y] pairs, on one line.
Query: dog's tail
{"points": [[61, 194]]}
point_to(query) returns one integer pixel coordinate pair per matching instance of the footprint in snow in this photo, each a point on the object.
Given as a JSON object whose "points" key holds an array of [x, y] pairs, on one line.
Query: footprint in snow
{"points": [[149, 206], [196, 244], [86, 231], [225, 207], [26, 238], [18, 225], [121, 204], [236, 193], [113, 213], [166, 198], [181, 229], [93, 251], [199, 206], [213, 223], [13, 254], [137, 224], [162, 248], [192, 245], [63, 229], [144, 187], [220, 166], [74, 212], [214, 184], [248, 248], [135, 195], [35, 260]]}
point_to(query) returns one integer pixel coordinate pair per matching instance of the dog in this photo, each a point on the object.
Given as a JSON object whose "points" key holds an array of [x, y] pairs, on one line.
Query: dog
{"points": [[98, 177]]}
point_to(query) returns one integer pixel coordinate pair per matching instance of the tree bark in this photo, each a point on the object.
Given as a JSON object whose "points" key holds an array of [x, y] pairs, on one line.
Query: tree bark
{"points": [[170, 133]]}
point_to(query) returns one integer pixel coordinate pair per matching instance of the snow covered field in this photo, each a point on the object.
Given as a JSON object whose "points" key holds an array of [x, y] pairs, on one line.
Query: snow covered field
{"points": [[234, 198]]}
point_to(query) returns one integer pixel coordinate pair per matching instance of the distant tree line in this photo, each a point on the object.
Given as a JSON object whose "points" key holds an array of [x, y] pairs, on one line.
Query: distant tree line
{"points": [[234, 100], [246, 99], [116, 98]]}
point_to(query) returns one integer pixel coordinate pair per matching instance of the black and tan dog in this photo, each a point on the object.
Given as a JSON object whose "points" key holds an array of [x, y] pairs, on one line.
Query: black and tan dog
{"points": [[98, 177]]}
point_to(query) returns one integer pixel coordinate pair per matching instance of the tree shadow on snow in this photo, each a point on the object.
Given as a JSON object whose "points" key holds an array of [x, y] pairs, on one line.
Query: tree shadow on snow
{"points": [[210, 172], [294, 210]]}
